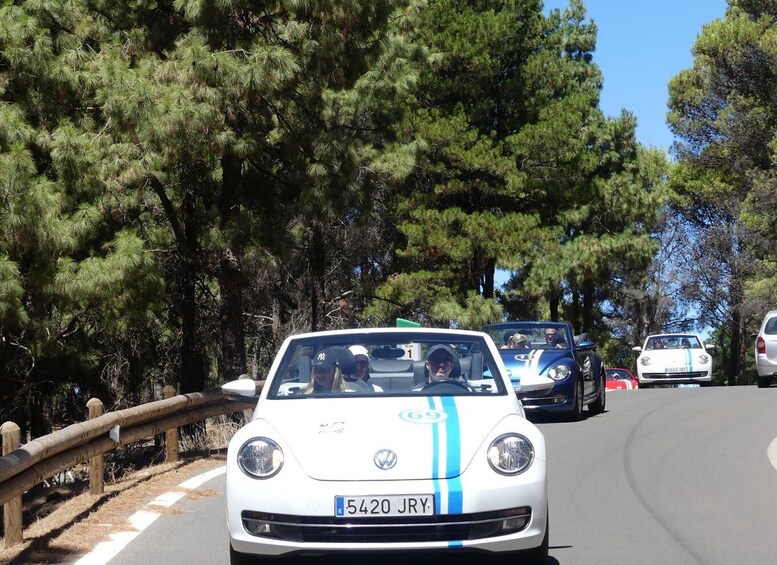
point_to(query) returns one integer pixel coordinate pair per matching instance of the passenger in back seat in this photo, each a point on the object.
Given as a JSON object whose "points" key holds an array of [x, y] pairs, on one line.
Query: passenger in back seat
{"points": [[362, 373]]}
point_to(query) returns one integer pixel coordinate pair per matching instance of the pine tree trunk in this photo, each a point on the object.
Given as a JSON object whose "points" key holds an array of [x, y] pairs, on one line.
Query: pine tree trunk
{"points": [[553, 304], [192, 357], [588, 307], [317, 270], [232, 358], [734, 360], [232, 362], [488, 278], [192, 353]]}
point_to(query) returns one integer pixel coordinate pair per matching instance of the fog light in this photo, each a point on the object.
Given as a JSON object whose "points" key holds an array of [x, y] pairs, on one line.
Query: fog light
{"points": [[259, 528], [514, 524], [267, 525]]}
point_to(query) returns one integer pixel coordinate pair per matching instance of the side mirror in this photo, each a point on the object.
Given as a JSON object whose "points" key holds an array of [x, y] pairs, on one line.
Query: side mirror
{"points": [[637, 349], [240, 387], [709, 346]]}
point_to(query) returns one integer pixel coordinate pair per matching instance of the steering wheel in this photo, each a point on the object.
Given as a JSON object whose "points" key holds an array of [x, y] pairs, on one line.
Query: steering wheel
{"points": [[453, 386]]}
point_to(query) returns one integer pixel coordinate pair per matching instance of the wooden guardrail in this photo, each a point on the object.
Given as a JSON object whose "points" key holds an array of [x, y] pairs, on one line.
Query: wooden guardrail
{"points": [[24, 466]]}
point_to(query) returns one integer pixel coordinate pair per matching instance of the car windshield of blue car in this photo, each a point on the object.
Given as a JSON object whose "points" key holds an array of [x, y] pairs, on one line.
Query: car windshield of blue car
{"points": [[529, 336], [386, 364]]}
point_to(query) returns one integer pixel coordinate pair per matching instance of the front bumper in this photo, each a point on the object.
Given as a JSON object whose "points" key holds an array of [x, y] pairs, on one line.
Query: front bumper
{"points": [[694, 377], [560, 399], [308, 526]]}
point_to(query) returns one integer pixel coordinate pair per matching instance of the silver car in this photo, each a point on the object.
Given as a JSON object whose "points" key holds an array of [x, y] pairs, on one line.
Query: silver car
{"points": [[766, 350]]}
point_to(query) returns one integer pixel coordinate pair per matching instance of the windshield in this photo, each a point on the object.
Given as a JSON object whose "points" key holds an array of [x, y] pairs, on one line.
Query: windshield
{"points": [[529, 335], [387, 364], [673, 342]]}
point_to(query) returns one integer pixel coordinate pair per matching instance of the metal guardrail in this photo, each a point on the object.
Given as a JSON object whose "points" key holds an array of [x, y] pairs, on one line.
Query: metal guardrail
{"points": [[24, 466]]}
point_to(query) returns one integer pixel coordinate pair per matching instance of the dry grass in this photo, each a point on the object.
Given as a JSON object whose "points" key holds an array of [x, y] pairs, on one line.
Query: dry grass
{"points": [[77, 521]]}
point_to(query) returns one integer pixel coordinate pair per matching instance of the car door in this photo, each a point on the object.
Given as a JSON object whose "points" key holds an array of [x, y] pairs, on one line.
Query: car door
{"points": [[585, 359]]}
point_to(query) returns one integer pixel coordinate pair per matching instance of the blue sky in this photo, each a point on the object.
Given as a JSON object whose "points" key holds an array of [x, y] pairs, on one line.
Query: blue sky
{"points": [[641, 45]]}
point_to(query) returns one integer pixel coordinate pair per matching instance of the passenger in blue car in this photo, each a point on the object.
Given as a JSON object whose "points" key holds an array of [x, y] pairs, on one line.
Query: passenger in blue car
{"points": [[552, 338], [519, 341]]}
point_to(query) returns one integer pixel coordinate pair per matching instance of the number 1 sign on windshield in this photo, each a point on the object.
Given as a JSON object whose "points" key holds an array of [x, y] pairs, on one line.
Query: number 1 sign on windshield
{"points": [[411, 351]]}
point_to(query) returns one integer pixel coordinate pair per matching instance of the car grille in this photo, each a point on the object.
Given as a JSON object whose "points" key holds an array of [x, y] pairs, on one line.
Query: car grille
{"points": [[693, 375], [320, 529]]}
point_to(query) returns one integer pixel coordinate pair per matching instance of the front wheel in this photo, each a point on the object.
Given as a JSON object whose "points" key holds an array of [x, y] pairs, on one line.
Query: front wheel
{"points": [[577, 409], [597, 406]]}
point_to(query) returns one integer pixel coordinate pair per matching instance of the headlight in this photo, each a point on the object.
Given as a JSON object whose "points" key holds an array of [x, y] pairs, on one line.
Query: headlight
{"points": [[704, 359], [510, 454], [260, 458], [559, 372], [644, 361]]}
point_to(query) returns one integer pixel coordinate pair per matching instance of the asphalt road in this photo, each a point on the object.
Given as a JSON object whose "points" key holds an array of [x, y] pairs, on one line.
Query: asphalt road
{"points": [[664, 476]]}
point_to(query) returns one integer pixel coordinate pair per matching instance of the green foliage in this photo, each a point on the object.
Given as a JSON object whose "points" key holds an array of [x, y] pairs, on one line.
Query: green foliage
{"points": [[474, 314], [518, 170], [12, 314], [186, 183], [723, 111]]}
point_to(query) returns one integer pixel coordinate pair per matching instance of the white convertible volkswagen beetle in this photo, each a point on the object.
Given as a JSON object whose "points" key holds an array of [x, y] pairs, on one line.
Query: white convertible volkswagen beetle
{"points": [[439, 456], [674, 359]]}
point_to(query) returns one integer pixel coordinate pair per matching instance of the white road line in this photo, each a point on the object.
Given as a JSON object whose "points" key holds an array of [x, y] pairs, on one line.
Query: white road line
{"points": [[771, 453], [140, 520]]}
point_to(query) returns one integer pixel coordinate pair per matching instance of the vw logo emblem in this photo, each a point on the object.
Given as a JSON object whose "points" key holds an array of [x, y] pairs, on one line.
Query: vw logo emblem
{"points": [[385, 459]]}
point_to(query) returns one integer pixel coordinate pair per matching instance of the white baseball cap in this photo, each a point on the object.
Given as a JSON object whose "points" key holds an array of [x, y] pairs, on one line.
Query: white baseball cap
{"points": [[359, 350]]}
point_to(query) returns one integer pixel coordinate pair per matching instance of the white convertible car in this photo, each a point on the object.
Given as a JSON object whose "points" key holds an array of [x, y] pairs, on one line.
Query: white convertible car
{"points": [[674, 359], [438, 457]]}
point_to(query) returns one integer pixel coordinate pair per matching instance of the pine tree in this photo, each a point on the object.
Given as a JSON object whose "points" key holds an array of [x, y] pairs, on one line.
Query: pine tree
{"points": [[722, 111]]}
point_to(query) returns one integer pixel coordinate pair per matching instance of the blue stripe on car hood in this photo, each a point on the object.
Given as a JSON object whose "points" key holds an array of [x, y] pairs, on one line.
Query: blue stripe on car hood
{"points": [[446, 457]]}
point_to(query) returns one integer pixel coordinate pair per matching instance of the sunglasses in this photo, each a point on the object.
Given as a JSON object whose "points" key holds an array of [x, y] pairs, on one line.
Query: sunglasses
{"points": [[440, 361]]}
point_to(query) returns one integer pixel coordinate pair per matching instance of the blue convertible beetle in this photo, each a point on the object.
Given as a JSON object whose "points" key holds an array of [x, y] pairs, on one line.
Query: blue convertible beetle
{"points": [[550, 349]]}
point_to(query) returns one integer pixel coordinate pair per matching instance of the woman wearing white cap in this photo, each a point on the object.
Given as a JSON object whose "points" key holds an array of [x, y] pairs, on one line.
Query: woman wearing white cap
{"points": [[362, 374]]}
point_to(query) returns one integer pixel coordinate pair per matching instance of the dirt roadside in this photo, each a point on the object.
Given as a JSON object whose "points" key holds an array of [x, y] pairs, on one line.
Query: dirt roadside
{"points": [[78, 523]]}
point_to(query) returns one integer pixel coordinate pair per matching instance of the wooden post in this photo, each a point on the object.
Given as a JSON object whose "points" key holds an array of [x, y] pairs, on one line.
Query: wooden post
{"points": [[248, 413], [171, 435], [97, 463], [12, 510]]}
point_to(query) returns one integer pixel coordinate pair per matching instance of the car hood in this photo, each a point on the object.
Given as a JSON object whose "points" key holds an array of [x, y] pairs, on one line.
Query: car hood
{"points": [[532, 362], [338, 439]]}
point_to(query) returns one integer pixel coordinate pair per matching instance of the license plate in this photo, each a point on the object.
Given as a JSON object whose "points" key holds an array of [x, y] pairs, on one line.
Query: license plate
{"points": [[390, 505], [677, 369]]}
